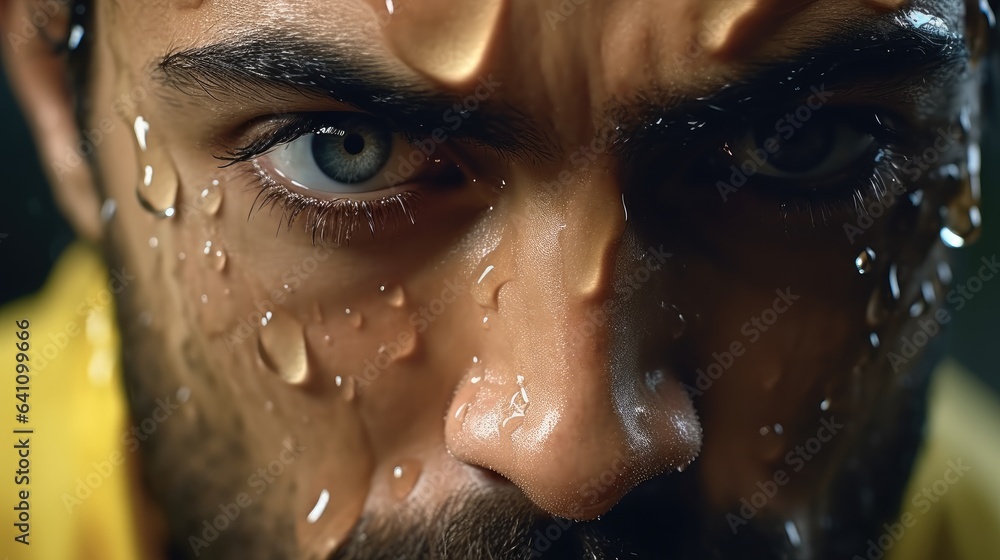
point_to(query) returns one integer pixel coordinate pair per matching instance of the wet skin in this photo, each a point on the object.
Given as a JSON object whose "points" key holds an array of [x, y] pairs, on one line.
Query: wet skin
{"points": [[659, 255]]}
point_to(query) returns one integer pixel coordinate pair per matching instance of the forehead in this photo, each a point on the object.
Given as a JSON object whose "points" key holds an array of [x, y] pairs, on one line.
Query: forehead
{"points": [[447, 40], [563, 63]]}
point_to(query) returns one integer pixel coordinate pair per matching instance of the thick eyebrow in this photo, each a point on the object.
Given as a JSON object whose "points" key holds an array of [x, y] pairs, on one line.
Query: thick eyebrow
{"points": [[273, 70], [882, 55], [898, 59]]}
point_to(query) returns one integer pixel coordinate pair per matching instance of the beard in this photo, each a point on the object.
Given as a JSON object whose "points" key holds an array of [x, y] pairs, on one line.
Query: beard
{"points": [[664, 518]]}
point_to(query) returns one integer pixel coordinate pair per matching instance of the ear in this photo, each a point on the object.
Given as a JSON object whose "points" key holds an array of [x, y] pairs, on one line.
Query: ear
{"points": [[39, 78]]}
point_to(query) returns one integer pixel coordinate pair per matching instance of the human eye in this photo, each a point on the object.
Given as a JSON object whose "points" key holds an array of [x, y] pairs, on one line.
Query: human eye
{"points": [[342, 174], [831, 165]]}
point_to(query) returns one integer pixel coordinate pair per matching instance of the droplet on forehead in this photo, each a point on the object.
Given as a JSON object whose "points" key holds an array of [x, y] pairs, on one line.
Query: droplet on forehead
{"points": [[739, 25], [446, 40]]}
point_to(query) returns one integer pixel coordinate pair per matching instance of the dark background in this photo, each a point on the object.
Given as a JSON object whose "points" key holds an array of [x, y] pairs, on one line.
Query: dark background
{"points": [[36, 234]]}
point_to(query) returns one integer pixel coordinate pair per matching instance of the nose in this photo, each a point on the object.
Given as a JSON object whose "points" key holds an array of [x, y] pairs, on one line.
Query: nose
{"points": [[569, 401]]}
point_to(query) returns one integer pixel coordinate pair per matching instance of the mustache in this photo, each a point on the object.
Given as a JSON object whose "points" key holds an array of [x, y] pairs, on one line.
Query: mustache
{"points": [[662, 522]]}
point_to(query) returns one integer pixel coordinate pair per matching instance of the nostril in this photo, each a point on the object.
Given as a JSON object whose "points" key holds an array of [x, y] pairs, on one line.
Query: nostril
{"points": [[576, 452]]}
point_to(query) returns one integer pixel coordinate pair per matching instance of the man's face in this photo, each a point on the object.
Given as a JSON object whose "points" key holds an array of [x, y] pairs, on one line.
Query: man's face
{"points": [[432, 272]]}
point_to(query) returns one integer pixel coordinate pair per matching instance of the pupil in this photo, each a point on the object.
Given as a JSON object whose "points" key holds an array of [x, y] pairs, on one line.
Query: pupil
{"points": [[809, 147], [354, 144]]}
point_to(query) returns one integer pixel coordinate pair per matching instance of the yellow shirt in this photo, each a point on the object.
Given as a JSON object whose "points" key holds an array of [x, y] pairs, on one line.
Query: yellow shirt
{"points": [[80, 504]]}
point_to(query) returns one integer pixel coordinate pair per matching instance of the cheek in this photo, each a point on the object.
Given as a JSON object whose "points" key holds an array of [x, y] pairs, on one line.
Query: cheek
{"points": [[355, 363], [793, 342]]}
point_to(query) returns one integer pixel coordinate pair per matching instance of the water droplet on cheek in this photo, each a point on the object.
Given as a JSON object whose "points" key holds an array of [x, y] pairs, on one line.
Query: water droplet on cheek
{"points": [[216, 256], [282, 346], [108, 210], [320, 508], [963, 220], [158, 183], [347, 387], [486, 289], [211, 198], [355, 318], [962, 227], [395, 296], [404, 477]]}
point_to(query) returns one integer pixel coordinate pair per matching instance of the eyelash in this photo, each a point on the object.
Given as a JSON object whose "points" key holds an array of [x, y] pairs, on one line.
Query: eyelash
{"points": [[871, 176], [329, 221], [333, 221]]}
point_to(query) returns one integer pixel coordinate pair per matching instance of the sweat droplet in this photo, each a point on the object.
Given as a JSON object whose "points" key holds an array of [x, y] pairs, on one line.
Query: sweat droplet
{"points": [[283, 347], [944, 272], [894, 282], [793, 533], [395, 296], [320, 507], [211, 198], [928, 292], [865, 261], [404, 478], [961, 228], [157, 186], [486, 290], [216, 256], [108, 209], [346, 385], [355, 317]]}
